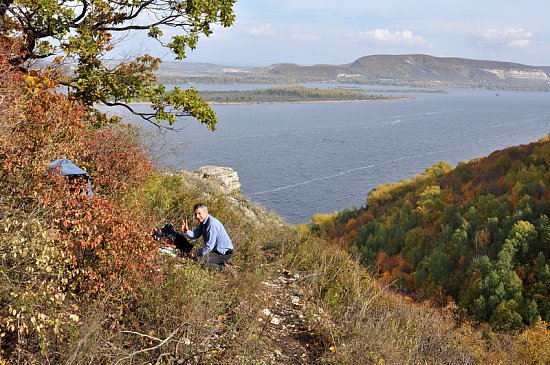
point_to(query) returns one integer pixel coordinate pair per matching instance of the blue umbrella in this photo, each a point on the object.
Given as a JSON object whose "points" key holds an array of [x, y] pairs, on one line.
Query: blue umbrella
{"points": [[68, 168]]}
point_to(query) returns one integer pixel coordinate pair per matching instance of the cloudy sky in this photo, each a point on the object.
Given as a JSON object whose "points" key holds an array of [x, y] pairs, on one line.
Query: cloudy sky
{"points": [[336, 32]]}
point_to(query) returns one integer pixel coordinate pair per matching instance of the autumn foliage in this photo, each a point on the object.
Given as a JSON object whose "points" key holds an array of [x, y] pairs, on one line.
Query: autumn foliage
{"points": [[477, 235], [59, 248]]}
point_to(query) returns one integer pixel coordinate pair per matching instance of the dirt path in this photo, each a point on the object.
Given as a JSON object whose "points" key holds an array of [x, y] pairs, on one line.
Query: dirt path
{"points": [[285, 326]]}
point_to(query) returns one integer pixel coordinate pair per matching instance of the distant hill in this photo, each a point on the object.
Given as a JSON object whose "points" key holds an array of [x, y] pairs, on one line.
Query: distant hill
{"points": [[413, 69], [168, 66], [418, 67], [545, 69], [175, 68]]}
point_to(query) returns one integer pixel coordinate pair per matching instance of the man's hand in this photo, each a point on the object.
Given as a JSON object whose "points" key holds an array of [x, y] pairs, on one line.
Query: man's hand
{"points": [[185, 226]]}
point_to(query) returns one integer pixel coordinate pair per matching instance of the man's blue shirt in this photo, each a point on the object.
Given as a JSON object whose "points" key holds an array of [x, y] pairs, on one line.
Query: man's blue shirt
{"points": [[215, 236]]}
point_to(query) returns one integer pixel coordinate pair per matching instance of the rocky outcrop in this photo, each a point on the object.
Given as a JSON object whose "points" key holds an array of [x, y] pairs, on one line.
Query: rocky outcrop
{"points": [[226, 176], [537, 75], [213, 181]]}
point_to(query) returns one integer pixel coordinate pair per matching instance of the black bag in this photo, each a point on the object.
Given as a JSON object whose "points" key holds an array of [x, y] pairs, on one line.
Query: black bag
{"points": [[175, 237]]}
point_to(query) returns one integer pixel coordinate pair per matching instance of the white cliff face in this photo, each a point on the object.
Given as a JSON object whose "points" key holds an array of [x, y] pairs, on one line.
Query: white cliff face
{"points": [[228, 178], [531, 74]]}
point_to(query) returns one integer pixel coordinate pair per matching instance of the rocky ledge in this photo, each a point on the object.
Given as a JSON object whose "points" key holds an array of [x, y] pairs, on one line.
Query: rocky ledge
{"points": [[228, 178]]}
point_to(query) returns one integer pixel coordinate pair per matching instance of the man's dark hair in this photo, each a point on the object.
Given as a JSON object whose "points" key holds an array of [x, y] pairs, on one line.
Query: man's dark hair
{"points": [[199, 205]]}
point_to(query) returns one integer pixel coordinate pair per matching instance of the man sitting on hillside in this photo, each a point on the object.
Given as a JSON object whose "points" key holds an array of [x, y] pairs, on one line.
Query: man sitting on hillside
{"points": [[218, 248]]}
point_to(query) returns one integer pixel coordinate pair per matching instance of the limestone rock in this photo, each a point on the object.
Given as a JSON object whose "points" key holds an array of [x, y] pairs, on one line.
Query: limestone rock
{"points": [[228, 178], [211, 186], [275, 320]]}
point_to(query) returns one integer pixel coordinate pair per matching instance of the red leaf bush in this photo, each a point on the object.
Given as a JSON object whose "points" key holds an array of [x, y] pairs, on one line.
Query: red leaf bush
{"points": [[59, 248]]}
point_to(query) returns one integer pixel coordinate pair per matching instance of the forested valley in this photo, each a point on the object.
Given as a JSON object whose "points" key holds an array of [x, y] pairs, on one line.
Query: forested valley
{"points": [[477, 235]]}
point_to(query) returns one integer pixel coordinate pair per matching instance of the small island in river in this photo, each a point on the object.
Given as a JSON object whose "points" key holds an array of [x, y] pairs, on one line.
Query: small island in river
{"points": [[293, 94]]}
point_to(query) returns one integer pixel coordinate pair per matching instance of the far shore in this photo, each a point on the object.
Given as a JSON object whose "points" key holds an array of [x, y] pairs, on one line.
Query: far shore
{"points": [[305, 102], [290, 102]]}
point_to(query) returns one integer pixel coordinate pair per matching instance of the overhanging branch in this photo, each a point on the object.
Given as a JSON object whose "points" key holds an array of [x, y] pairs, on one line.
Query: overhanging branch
{"points": [[149, 117], [167, 21]]}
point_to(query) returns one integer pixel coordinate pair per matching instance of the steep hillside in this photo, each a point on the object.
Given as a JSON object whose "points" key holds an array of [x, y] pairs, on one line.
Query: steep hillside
{"points": [[425, 67], [478, 234]]}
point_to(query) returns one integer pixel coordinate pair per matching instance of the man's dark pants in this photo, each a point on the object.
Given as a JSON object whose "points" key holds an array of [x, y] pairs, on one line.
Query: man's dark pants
{"points": [[215, 260]]}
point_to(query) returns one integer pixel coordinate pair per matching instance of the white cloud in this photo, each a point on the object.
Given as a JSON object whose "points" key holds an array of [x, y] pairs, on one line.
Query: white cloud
{"points": [[261, 30], [511, 37], [386, 36]]}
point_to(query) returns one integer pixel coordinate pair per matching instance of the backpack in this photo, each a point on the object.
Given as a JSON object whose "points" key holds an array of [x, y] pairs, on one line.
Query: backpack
{"points": [[174, 237]]}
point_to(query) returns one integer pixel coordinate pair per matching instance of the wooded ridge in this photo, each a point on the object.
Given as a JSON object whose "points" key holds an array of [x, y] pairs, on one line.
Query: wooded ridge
{"points": [[477, 235]]}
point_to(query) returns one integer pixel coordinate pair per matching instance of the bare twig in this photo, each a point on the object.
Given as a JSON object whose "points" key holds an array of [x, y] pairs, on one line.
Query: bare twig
{"points": [[162, 342], [143, 335], [161, 356], [6, 275]]}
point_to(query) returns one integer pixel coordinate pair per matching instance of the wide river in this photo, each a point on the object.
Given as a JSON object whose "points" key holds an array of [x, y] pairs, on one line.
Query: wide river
{"points": [[303, 159]]}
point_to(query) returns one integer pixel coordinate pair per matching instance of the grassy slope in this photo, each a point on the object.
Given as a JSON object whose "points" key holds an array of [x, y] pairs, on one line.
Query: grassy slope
{"points": [[348, 311]]}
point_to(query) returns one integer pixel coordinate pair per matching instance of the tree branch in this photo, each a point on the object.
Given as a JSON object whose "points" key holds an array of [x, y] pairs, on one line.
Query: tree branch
{"points": [[4, 6], [141, 7], [84, 30], [75, 21], [145, 116], [165, 20], [38, 57]]}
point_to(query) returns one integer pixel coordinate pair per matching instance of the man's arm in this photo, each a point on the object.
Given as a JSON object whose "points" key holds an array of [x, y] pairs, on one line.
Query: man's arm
{"points": [[212, 234]]}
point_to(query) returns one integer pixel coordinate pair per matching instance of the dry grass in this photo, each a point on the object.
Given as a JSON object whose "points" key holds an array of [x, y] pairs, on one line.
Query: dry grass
{"points": [[369, 324], [194, 316]]}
